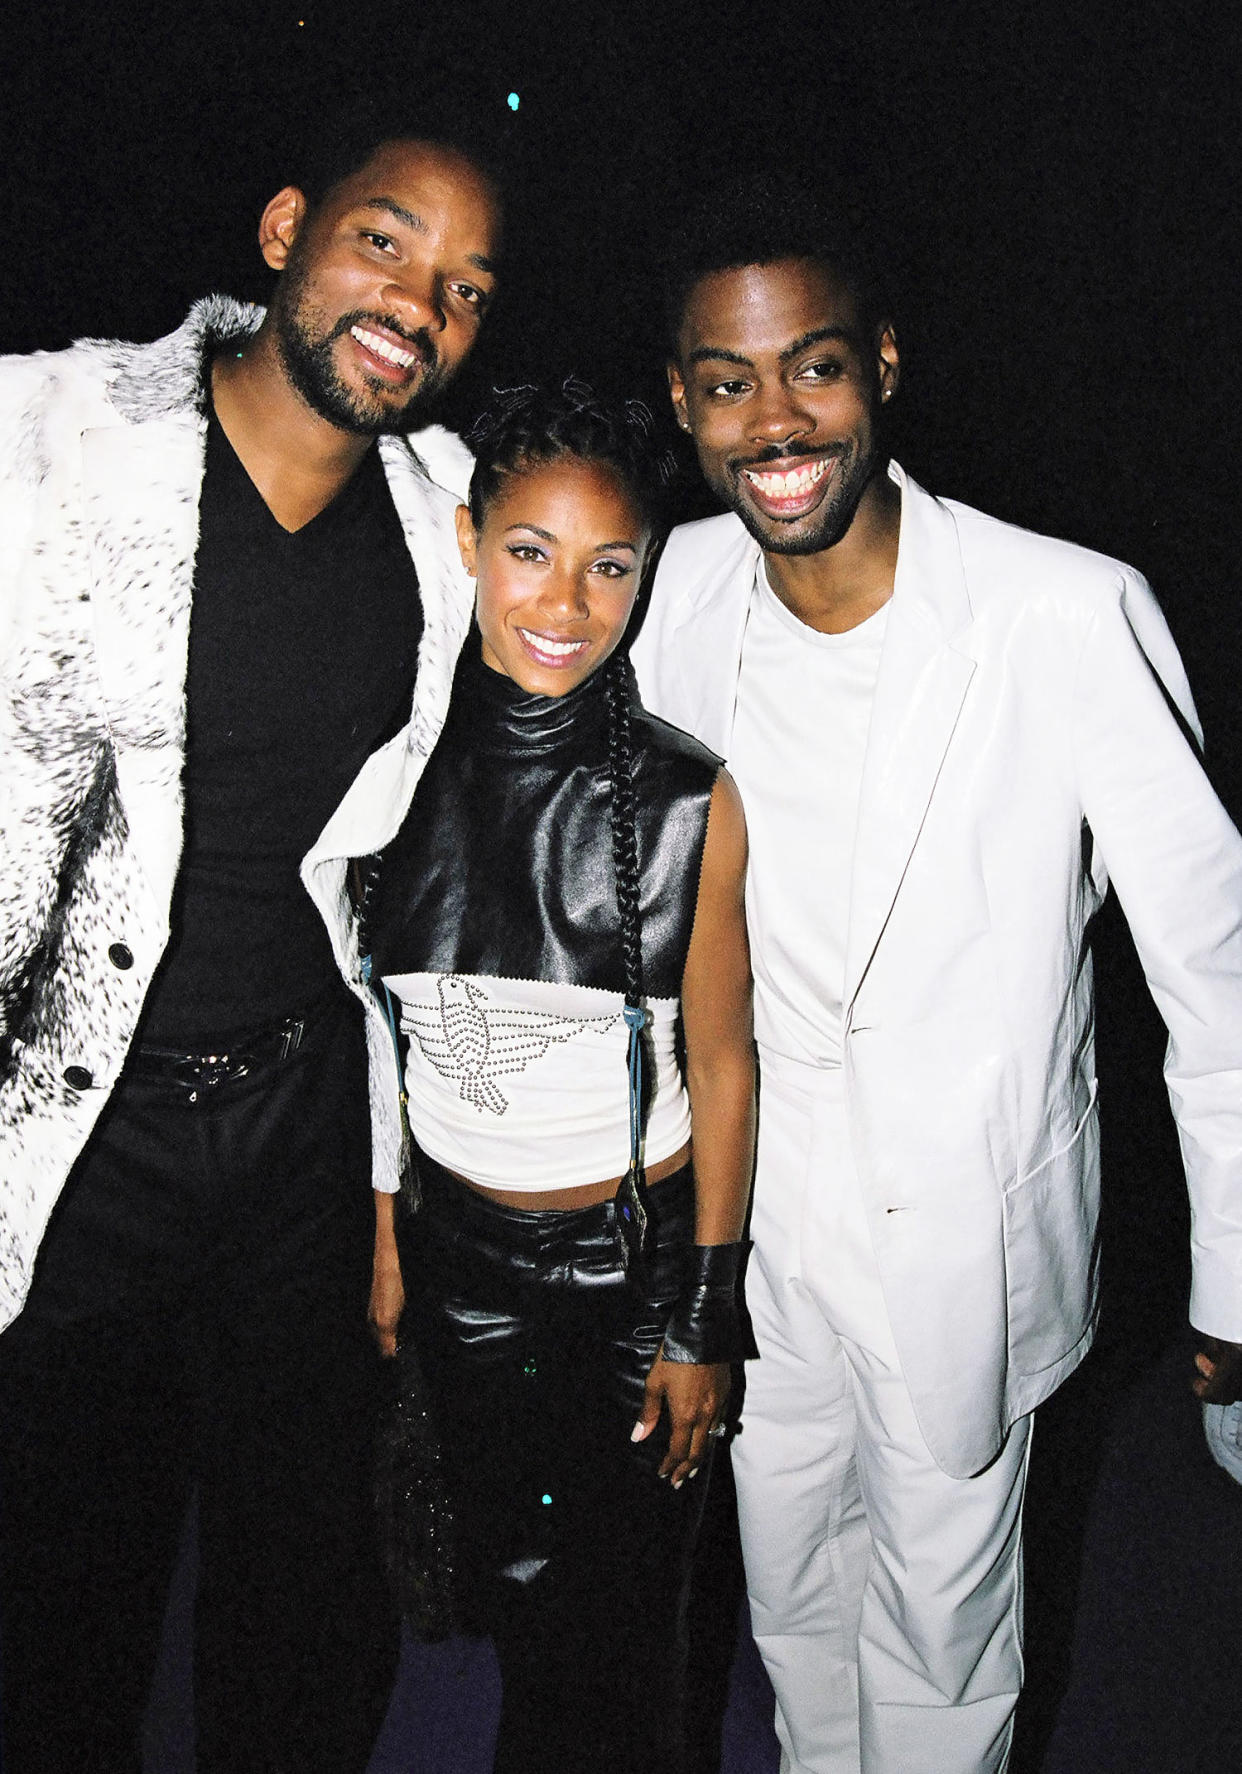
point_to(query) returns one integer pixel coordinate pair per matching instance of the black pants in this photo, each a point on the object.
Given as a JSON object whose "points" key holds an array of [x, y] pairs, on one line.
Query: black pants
{"points": [[575, 1554], [1154, 1681], [197, 1320]]}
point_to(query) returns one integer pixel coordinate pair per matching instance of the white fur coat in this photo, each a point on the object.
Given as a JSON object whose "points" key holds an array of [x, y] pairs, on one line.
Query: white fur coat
{"points": [[101, 461]]}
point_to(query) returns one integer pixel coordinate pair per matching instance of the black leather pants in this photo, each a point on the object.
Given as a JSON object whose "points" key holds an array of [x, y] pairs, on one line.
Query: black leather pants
{"points": [[576, 1555], [197, 1322]]}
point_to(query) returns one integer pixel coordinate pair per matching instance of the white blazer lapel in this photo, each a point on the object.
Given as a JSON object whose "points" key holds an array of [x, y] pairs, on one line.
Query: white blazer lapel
{"points": [[140, 495], [708, 654], [923, 679], [689, 651]]}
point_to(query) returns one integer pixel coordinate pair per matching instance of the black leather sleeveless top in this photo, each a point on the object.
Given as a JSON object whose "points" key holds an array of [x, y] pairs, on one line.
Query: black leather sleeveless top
{"points": [[504, 865]]}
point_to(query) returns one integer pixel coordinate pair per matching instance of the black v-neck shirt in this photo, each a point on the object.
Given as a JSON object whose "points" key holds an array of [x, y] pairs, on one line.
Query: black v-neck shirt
{"points": [[303, 648]]}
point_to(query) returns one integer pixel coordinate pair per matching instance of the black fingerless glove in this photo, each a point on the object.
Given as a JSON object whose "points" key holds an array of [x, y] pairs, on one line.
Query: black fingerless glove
{"points": [[710, 1322]]}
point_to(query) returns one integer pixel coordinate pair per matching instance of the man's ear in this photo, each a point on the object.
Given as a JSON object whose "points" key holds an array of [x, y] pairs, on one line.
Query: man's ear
{"points": [[466, 540], [677, 392], [889, 359], [279, 226]]}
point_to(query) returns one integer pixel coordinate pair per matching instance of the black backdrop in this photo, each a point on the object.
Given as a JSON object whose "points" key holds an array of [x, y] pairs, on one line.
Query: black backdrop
{"points": [[1055, 188]]}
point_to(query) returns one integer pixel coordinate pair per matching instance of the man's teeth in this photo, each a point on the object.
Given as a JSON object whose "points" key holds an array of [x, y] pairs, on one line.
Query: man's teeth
{"points": [[788, 483], [543, 643], [404, 360]]}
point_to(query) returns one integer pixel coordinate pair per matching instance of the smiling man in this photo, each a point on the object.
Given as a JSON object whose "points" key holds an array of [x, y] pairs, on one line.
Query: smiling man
{"points": [[948, 734], [220, 594]]}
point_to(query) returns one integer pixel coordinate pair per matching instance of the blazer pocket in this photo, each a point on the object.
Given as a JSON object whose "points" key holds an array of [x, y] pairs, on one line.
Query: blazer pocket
{"points": [[1051, 1232]]}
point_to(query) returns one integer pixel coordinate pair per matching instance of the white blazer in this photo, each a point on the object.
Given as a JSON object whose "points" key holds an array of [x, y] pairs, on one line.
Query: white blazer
{"points": [[1029, 738]]}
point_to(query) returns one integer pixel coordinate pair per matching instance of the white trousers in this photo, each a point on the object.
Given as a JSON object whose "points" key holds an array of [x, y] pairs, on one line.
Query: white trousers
{"points": [[885, 1596]]}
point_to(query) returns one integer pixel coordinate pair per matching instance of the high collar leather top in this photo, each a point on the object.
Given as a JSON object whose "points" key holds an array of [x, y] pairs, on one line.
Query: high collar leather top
{"points": [[504, 866], [493, 714]]}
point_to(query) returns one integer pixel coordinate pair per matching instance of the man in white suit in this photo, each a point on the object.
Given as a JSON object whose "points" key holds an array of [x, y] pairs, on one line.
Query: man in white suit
{"points": [[948, 734]]}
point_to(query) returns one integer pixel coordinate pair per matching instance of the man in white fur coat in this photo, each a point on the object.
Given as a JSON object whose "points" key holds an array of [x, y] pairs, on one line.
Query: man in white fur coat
{"points": [[218, 592], [948, 734]]}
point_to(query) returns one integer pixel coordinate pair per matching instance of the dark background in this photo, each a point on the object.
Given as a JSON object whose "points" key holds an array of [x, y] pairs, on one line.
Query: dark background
{"points": [[1054, 193]]}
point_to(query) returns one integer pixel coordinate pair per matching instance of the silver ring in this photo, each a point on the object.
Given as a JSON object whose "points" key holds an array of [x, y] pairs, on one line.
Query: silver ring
{"points": [[717, 1429]]}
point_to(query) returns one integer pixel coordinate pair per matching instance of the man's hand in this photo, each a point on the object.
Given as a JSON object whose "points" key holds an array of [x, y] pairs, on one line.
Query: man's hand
{"points": [[696, 1394], [1219, 1379]]}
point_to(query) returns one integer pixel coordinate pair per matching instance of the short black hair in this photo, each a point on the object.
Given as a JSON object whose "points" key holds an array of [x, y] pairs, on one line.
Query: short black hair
{"points": [[758, 220], [528, 426], [344, 139]]}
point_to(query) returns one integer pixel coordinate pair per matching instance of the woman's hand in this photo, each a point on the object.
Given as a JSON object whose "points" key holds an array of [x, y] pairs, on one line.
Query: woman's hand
{"points": [[696, 1394], [387, 1283]]}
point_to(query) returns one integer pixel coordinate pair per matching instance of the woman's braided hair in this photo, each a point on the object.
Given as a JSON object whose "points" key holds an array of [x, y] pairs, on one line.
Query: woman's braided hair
{"points": [[525, 428], [624, 832]]}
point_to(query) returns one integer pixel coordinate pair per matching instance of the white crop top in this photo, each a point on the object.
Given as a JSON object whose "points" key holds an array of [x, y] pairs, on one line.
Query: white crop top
{"points": [[522, 1085]]}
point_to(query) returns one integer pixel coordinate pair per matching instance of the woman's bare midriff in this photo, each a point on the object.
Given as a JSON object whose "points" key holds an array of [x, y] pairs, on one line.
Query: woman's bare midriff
{"points": [[590, 1195]]}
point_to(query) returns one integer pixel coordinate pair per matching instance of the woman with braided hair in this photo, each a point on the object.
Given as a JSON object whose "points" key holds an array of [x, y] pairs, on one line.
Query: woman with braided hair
{"points": [[560, 922]]}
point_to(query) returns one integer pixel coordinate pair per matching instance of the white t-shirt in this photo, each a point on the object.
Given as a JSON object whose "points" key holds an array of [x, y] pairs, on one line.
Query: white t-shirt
{"points": [[799, 739], [523, 1084]]}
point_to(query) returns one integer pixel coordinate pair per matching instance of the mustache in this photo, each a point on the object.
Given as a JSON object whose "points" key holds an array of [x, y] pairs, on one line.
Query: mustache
{"points": [[420, 341], [787, 453]]}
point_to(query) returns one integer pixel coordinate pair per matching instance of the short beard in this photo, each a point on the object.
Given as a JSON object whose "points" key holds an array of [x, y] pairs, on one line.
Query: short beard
{"points": [[309, 367]]}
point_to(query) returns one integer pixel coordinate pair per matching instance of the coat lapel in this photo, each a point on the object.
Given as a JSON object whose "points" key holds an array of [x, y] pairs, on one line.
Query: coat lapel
{"points": [[379, 797], [705, 650], [378, 800], [143, 446], [925, 670], [141, 490], [447, 594]]}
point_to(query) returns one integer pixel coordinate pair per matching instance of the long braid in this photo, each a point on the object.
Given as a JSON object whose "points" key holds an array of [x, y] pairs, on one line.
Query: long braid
{"points": [[624, 834], [631, 1203]]}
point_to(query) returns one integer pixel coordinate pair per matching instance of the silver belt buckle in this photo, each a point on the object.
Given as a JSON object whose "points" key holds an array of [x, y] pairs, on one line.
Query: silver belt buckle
{"points": [[208, 1071]]}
